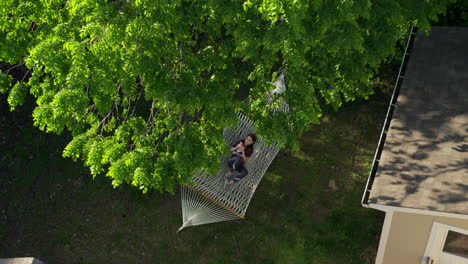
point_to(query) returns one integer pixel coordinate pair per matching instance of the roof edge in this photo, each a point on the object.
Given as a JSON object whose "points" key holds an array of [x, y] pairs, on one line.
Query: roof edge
{"points": [[388, 208], [388, 118]]}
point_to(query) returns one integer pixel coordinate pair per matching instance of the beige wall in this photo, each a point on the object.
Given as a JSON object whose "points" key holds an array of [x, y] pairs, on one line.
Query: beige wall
{"points": [[19, 261], [408, 236]]}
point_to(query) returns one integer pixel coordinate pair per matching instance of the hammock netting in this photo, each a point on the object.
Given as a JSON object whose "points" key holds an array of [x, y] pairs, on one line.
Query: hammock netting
{"points": [[208, 200]]}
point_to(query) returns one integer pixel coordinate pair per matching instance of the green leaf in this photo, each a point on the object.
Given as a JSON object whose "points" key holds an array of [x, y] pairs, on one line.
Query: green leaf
{"points": [[146, 88], [5, 82], [17, 95]]}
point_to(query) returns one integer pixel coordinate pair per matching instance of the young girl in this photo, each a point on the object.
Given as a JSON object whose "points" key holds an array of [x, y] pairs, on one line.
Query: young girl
{"points": [[240, 154]]}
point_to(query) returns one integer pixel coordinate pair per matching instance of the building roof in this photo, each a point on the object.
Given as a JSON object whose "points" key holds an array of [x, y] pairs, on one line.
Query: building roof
{"points": [[424, 162]]}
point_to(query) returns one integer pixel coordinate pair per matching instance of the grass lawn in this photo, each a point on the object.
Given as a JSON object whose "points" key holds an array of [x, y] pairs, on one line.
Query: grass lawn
{"points": [[306, 210]]}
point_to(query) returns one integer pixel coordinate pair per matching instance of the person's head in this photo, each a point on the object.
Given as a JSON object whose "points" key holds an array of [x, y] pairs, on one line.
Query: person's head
{"points": [[250, 139]]}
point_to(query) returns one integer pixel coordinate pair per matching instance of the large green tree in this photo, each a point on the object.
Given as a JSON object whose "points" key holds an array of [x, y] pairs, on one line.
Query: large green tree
{"points": [[145, 87]]}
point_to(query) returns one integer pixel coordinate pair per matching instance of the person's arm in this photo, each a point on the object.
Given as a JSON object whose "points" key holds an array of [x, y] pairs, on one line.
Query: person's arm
{"points": [[236, 146], [244, 157], [233, 148]]}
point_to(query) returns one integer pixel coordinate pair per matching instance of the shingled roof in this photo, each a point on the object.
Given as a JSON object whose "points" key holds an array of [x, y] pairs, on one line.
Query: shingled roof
{"points": [[424, 162]]}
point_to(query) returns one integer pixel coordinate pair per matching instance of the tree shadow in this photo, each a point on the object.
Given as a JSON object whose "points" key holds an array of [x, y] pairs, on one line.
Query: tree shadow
{"points": [[461, 148], [426, 143]]}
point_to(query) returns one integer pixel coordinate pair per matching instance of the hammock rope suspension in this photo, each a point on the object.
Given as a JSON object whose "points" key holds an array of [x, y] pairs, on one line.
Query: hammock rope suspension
{"points": [[208, 201]]}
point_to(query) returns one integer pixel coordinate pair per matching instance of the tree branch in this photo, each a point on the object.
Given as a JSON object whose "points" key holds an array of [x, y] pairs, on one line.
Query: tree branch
{"points": [[138, 99], [128, 110], [102, 123], [90, 110], [26, 74], [115, 102], [150, 121], [17, 65]]}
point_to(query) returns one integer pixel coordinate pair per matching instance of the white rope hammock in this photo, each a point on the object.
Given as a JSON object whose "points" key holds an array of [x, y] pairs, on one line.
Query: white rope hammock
{"points": [[208, 201]]}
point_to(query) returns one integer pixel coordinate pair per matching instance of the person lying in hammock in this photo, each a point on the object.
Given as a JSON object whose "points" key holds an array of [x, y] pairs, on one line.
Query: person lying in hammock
{"points": [[240, 154]]}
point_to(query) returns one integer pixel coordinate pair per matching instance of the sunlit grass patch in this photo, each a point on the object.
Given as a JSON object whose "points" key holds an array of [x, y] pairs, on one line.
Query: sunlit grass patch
{"points": [[272, 177]]}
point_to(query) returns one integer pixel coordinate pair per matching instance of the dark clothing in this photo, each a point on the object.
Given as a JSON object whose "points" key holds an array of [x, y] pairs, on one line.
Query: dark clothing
{"points": [[236, 162], [248, 149], [236, 176]]}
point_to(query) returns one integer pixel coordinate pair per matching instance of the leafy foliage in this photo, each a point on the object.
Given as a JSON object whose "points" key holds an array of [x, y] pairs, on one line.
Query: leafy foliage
{"points": [[146, 87]]}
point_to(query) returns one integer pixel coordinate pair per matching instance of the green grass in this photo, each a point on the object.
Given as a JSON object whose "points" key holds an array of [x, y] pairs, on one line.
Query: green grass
{"points": [[52, 209]]}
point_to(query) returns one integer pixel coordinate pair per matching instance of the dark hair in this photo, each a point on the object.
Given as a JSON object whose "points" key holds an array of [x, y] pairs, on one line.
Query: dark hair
{"points": [[253, 137]]}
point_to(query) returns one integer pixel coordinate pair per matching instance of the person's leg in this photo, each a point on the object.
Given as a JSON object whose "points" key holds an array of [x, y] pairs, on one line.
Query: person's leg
{"points": [[228, 178], [229, 175], [238, 164], [241, 173], [233, 163], [230, 166], [235, 167], [230, 162]]}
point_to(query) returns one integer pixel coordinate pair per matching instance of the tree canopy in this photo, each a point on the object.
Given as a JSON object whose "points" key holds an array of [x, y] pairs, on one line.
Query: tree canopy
{"points": [[146, 87]]}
